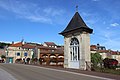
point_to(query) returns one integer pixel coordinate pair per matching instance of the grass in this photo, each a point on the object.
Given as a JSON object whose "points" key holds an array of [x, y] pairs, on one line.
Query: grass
{"points": [[106, 70]]}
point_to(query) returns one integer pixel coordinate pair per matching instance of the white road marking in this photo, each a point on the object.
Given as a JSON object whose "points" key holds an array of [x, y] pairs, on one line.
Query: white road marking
{"points": [[80, 74]]}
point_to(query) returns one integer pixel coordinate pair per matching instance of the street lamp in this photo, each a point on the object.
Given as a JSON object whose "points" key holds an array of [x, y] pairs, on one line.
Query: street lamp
{"points": [[6, 52]]}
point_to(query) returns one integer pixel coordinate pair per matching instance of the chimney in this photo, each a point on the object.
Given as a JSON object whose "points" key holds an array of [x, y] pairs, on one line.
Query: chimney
{"points": [[12, 42], [98, 44]]}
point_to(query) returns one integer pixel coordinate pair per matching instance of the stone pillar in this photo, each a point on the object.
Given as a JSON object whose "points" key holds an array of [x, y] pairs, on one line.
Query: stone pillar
{"points": [[66, 52], [85, 51]]}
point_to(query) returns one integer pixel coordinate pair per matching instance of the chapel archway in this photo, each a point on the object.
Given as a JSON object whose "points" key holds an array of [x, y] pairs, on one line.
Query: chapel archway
{"points": [[74, 49]]}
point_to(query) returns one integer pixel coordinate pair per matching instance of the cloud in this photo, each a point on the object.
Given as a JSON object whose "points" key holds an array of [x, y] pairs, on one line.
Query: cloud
{"points": [[113, 43], [53, 12], [114, 24], [90, 18], [108, 38], [95, 0], [86, 14], [31, 11], [108, 28], [39, 19]]}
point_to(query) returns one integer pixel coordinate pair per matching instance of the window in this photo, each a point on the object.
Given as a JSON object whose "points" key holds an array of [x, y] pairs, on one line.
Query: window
{"points": [[52, 50], [25, 54], [18, 54], [74, 49]]}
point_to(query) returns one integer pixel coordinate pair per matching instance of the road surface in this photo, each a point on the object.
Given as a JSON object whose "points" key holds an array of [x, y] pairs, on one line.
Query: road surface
{"points": [[29, 72]]}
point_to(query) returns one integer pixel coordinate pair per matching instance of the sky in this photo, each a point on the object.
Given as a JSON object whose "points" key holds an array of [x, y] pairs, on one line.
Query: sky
{"points": [[41, 20]]}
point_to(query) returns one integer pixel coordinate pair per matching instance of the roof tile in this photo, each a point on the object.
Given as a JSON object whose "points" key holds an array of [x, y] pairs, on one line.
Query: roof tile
{"points": [[77, 24]]}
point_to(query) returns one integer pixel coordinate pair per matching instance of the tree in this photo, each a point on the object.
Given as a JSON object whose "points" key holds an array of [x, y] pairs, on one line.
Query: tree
{"points": [[96, 59], [2, 44], [3, 56]]}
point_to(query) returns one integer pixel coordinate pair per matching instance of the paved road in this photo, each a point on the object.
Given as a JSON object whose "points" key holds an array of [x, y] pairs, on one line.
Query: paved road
{"points": [[28, 72]]}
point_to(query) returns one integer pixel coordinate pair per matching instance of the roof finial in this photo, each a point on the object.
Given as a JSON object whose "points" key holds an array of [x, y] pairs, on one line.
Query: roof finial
{"points": [[76, 8]]}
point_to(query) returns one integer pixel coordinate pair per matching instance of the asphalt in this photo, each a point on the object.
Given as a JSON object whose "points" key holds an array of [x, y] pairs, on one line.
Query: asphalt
{"points": [[93, 73], [30, 72], [4, 75]]}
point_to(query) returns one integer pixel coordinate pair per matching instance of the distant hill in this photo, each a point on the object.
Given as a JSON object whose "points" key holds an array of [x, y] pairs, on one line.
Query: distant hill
{"points": [[3, 44]]}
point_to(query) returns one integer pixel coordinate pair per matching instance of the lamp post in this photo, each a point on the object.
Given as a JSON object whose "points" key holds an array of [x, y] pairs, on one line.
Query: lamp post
{"points": [[6, 51]]}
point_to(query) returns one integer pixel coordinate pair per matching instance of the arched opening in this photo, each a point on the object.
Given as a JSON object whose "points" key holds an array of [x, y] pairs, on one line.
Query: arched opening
{"points": [[44, 56], [60, 59], [44, 59], [52, 56], [53, 59], [74, 49], [18, 60]]}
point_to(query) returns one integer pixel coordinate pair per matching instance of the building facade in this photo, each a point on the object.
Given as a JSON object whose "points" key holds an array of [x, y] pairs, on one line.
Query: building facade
{"points": [[51, 54], [46, 54], [104, 52], [19, 51]]}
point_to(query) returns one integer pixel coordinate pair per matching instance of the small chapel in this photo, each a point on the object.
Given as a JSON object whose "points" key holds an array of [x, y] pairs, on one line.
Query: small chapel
{"points": [[77, 44]]}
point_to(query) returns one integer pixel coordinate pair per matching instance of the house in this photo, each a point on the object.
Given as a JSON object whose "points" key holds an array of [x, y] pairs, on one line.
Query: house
{"points": [[97, 47], [50, 44], [2, 51], [115, 55], [93, 48], [105, 53], [19, 50], [51, 55]]}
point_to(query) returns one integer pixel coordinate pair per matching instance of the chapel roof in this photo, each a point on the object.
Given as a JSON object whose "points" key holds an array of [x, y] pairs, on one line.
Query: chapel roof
{"points": [[76, 24]]}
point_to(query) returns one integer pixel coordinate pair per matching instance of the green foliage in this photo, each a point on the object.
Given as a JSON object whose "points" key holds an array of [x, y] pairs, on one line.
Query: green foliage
{"points": [[96, 58], [106, 70], [3, 56], [2, 44]]}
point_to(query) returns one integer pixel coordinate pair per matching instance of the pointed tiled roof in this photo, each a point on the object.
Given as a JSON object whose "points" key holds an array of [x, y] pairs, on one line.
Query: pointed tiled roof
{"points": [[76, 24]]}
